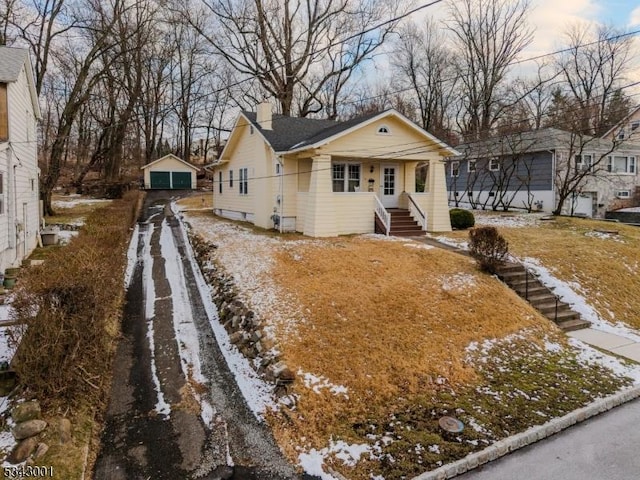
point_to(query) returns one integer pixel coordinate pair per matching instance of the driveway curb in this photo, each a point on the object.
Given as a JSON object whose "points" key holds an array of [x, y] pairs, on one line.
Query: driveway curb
{"points": [[532, 435]]}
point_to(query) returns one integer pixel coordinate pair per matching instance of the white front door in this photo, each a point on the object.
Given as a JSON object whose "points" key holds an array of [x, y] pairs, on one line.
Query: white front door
{"points": [[583, 204], [389, 185]]}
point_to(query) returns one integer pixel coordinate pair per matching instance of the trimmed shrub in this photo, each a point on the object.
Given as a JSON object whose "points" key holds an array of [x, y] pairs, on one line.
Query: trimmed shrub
{"points": [[70, 308], [461, 219], [488, 247]]}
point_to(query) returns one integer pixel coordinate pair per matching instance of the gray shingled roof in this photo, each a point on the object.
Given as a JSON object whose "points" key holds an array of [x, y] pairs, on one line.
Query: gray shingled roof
{"points": [[527, 142], [11, 62], [290, 133]]}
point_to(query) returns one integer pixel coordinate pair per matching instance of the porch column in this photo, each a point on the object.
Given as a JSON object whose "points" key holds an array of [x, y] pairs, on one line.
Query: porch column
{"points": [[437, 202], [321, 218], [410, 177]]}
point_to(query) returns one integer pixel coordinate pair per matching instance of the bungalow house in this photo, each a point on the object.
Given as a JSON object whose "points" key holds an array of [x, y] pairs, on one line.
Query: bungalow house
{"points": [[19, 196], [325, 178], [529, 170]]}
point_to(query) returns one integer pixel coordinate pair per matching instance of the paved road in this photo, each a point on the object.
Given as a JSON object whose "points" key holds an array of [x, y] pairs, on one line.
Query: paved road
{"points": [[141, 441], [603, 448]]}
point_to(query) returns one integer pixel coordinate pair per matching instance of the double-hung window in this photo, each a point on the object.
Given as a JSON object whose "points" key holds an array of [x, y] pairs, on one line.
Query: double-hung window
{"points": [[621, 164], [494, 164], [584, 162], [219, 182], [346, 177], [230, 178], [243, 181], [455, 169], [471, 166]]}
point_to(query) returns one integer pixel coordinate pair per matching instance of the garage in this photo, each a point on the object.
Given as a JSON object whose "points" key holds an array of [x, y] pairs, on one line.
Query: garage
{"points": [[169, 173]]}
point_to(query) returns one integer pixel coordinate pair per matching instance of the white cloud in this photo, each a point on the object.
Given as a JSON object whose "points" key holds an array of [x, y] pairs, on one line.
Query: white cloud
{"points": [[634, 20]]}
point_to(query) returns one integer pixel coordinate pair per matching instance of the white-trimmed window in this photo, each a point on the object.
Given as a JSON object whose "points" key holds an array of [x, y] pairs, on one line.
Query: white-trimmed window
{"points": [[1, 193], [584, 162], [621, 164], [384, 130], [277, 168], [494, 164], [455, 169], [346, 177], [623, 194], [635, 126], [230, 178], [243, 181], [471, 166], [220, 182]]}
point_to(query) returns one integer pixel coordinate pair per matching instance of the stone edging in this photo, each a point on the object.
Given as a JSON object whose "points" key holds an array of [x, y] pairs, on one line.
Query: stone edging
{"points": [[243, 325], [532, 435]]}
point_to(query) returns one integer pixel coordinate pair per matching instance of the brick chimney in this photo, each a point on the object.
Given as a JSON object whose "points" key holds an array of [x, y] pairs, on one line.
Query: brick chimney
{"points": [[263, 115]]}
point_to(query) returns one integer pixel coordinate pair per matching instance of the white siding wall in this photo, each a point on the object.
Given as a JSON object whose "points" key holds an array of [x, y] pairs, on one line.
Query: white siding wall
{"points": [[20, 221]]}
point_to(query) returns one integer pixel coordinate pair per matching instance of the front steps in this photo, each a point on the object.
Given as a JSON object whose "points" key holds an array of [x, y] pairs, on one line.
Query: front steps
{"points": [[540, 297], [403, 224]]}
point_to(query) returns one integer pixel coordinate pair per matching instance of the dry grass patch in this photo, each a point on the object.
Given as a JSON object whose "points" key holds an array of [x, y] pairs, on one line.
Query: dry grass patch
{"points": [[197, 201]]}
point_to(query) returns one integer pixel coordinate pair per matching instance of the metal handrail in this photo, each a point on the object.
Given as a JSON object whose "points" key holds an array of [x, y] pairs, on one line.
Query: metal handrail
{"points": [[383, 215], [415, 210]]}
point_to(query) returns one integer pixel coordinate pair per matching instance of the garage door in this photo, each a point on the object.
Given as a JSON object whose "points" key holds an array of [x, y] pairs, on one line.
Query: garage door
{"points": [[160, 180], [181, 180]]}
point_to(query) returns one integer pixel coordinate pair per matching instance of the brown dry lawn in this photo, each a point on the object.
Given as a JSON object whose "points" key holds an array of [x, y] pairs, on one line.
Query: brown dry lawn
{"points": [[392, 324], [199, 201], [607, 267]]}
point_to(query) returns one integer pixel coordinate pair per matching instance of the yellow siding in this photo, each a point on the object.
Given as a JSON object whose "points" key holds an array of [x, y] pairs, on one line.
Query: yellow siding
{"points": [[402, 143], [354, 212]]}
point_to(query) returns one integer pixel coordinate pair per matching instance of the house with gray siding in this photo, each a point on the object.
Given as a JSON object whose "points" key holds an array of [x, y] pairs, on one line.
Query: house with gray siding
{"points": [[530, 170], [19, 196]]}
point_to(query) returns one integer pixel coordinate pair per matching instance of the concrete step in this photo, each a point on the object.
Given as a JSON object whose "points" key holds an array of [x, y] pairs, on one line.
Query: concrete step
{"points": [[550, 308], [563, 316], [572, 325], [510, 267]]}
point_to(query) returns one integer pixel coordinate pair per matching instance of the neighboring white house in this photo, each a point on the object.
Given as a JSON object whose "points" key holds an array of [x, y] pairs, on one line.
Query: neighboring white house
{"points": [[169, 173], [19, 196], [326, 178]]}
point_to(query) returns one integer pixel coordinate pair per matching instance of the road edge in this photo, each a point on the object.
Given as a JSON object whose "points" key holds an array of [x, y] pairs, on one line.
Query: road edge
{"points": [[532, 435]]}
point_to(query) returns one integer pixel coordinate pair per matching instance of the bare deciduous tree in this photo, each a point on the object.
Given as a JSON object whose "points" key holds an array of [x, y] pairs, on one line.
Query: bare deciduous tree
{"points": [[488, 34], [424, 63], [594, 67], [296, 48]]}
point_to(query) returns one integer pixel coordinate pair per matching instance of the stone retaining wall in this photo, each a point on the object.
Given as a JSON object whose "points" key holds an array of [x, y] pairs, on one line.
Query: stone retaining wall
{"points": [[245, 328]]}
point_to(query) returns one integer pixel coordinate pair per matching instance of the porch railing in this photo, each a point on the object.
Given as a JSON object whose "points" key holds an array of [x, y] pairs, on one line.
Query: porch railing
{"points": [[417, 213], [383, 215]]}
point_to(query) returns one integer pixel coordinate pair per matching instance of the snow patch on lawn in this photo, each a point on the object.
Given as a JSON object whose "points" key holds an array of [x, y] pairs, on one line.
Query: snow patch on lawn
{"points": [[568, 293], [423, 246], [249, 259], [65, 236], [458, 281], [161, 407], [317, 383], [507, 220], [452, 242], [630, 209], [80, 201], [589, 355], [604, 236], [257, 393], [183, 326], [349, 454]]}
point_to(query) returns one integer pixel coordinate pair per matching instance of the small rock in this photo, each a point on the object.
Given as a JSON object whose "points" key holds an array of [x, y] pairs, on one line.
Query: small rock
{"points": [[41, 451], [236, 337], [286, 376], [22, 450], [27, 429], [26, 411], [64, 429], [256, 336]]}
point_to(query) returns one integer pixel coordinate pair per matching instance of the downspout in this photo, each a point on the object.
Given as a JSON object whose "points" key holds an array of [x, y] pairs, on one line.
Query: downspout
{"points": [[280, 161]]}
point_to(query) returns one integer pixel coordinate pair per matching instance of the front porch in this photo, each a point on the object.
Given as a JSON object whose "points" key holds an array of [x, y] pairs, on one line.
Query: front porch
{"points": [[338, 195]]}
